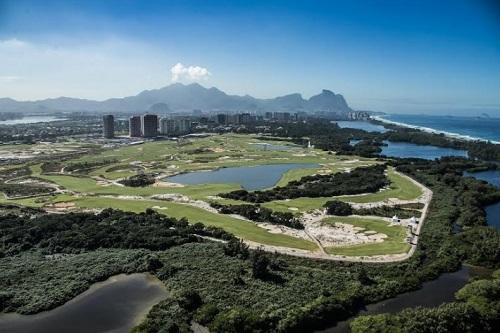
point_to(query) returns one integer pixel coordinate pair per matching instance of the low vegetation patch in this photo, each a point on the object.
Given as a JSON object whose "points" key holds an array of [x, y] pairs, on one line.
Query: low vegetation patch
{"points": [[140, 180], [260, 214]]}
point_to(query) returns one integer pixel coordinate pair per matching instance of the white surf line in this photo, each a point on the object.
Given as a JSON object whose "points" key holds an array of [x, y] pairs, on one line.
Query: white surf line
{"points": [[436, 131]]}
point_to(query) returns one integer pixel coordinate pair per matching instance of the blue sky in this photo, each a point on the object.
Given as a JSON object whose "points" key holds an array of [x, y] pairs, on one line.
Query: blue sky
{"points": [[395, 56]]}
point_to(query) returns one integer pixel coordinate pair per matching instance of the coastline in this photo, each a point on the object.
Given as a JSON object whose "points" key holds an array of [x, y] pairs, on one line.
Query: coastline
{"points": [[435, 131]]}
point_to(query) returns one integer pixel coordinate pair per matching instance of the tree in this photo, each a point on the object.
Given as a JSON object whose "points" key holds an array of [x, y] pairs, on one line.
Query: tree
{"points": [[189, 300], [236, 248], [260, 264], [338, 208]]}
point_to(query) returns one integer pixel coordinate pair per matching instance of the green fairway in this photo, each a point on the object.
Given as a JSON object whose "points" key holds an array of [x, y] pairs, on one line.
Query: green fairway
{"points": [[244, 229], [395, 242], [89, 185], [295, 174], [303, 204], [94, 187], [401, 188]]}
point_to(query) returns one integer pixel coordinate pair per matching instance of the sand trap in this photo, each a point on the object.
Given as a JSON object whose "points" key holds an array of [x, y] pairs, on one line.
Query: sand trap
{"points": [[161, 183], [64, 205], [176, 197]]}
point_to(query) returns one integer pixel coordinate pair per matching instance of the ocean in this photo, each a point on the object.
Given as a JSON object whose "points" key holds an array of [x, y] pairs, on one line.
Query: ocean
{"points": [[483, 128]]}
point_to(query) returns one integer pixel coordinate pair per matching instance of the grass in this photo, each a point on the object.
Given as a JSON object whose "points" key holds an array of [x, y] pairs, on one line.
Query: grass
{"points": [[303, 204], [229, 150], [89, 185], [394, 243], [244, 229], [401, 188], [295, 174]]}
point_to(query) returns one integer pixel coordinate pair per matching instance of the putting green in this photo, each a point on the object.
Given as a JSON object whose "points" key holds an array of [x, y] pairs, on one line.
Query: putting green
{"points": [[395, 242]]}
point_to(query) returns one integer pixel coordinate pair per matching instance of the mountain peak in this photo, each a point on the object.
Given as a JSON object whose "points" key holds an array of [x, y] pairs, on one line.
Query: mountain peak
{"points": [[181, 97]]}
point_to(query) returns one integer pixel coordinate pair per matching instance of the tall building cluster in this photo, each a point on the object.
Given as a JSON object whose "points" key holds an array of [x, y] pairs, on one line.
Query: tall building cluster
{"points": [[149, 126]]}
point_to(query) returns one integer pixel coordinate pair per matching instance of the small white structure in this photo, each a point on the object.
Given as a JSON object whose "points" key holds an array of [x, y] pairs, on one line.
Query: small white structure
{"points": [[413, 220], [395, 219]]}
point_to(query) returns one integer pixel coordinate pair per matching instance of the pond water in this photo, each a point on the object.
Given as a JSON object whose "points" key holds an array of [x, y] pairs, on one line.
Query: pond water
{"points": [[432, 293], [492, 211], [115, 305], [362, 125], [30, 120], [250, 178], [428, 152]]}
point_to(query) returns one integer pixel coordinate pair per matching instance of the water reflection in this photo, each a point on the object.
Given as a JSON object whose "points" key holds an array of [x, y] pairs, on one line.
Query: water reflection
{"points": [[433, 293], [251, 178], [115, 305]]}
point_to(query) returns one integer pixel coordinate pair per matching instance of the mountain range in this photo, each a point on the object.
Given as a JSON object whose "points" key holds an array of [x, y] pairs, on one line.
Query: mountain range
{"points": [[179, 97]]}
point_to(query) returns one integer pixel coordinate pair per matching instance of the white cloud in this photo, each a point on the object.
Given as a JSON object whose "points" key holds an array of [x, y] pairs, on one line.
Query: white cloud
{"points": [[9, 78], [12, 43], [191, 73], [89, 69]]}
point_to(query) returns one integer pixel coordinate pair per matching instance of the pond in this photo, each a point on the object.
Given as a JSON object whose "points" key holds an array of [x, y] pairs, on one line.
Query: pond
{"points": [[115, 305], [492, 211], [362, 125], [250, 178], [428, 152], [432, 293], [30, 120]]}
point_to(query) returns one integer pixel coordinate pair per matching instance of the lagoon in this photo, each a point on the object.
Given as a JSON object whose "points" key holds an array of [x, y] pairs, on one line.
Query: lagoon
{"points": [[432, 293], [115, 305], [30, 120], [362, 125], [250, 178], [411, 150], [492, 211]]}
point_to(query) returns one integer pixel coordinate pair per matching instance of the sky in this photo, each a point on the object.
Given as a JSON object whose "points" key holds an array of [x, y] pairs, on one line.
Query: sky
{"points": [[421, 56]]}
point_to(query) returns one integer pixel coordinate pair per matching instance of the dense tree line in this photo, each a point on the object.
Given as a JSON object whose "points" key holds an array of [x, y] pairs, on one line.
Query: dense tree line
{"points": [[476, 309], [86, 166], [327, 135], [75, 232], [389, 211], [14, 173], [338, 208], [360, 180], [24, 189], [471, 195], [139, 180], [258, 213]]}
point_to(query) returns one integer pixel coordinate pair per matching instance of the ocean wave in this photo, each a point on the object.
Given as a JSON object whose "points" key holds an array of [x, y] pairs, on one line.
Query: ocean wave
{"points": [[435, 131]]}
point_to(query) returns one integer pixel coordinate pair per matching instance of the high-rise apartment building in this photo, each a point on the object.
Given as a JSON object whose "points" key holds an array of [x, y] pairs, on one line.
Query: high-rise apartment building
{"points": [[108, 129], [167, 126], [134, 127], [149, 125]]}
